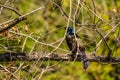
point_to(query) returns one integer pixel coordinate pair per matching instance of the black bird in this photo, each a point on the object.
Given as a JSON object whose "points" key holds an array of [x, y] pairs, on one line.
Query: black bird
{"points": [[75, 46]]}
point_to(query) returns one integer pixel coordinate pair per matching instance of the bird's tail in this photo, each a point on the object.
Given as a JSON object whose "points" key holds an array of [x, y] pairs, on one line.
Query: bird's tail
{"points": [[84, 59]]}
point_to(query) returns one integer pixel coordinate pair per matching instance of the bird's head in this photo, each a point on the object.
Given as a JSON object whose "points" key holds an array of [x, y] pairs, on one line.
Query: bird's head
{"points": [[70, 31]]}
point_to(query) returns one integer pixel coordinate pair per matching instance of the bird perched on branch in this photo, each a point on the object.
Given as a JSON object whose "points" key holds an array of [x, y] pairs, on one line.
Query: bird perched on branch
{"points": [[74, 44]]}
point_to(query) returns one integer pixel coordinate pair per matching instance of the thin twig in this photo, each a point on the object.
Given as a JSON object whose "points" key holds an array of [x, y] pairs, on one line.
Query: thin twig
{"points": [[8, 71], [24, 42], [65, 31], [94, 10], [107, 34], [98, 16], [12, 9], [13, 22], [67, 16], [103, 39], [39, 41], [6, 3]]}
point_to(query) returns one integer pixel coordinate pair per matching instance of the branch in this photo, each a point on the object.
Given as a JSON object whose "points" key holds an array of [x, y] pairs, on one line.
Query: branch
{"points": [[67, 16], [53, 57], [12, 22], [12, 9]]}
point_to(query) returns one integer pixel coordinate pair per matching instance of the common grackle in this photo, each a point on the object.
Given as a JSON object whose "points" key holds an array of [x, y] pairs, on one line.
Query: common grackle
{"points": [[75, 46]]}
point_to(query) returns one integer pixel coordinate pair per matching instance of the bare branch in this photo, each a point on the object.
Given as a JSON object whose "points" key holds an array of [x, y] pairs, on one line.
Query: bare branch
{"points": [[5, 4], [8, 71], [12, 9], [67, 16], [35, 56], [13, 22]]}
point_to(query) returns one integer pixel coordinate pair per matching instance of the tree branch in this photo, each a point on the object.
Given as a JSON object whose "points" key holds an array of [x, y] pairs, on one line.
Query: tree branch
{"points": [[12, 22], [12, 9], [53, 57]]}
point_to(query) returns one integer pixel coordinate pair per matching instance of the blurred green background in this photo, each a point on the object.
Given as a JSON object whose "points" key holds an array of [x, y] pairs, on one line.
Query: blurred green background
{"points": [[48, 26]]}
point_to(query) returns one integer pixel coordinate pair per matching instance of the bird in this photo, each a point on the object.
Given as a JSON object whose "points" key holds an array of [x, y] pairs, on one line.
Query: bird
{"points": [[74, 44]]}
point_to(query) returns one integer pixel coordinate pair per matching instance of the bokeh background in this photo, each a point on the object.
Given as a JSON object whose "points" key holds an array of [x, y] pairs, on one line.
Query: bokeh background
{"points": [[44, 30]]}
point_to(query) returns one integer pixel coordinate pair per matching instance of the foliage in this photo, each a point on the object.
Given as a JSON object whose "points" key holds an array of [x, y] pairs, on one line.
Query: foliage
{"points": [[48, 26]]}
